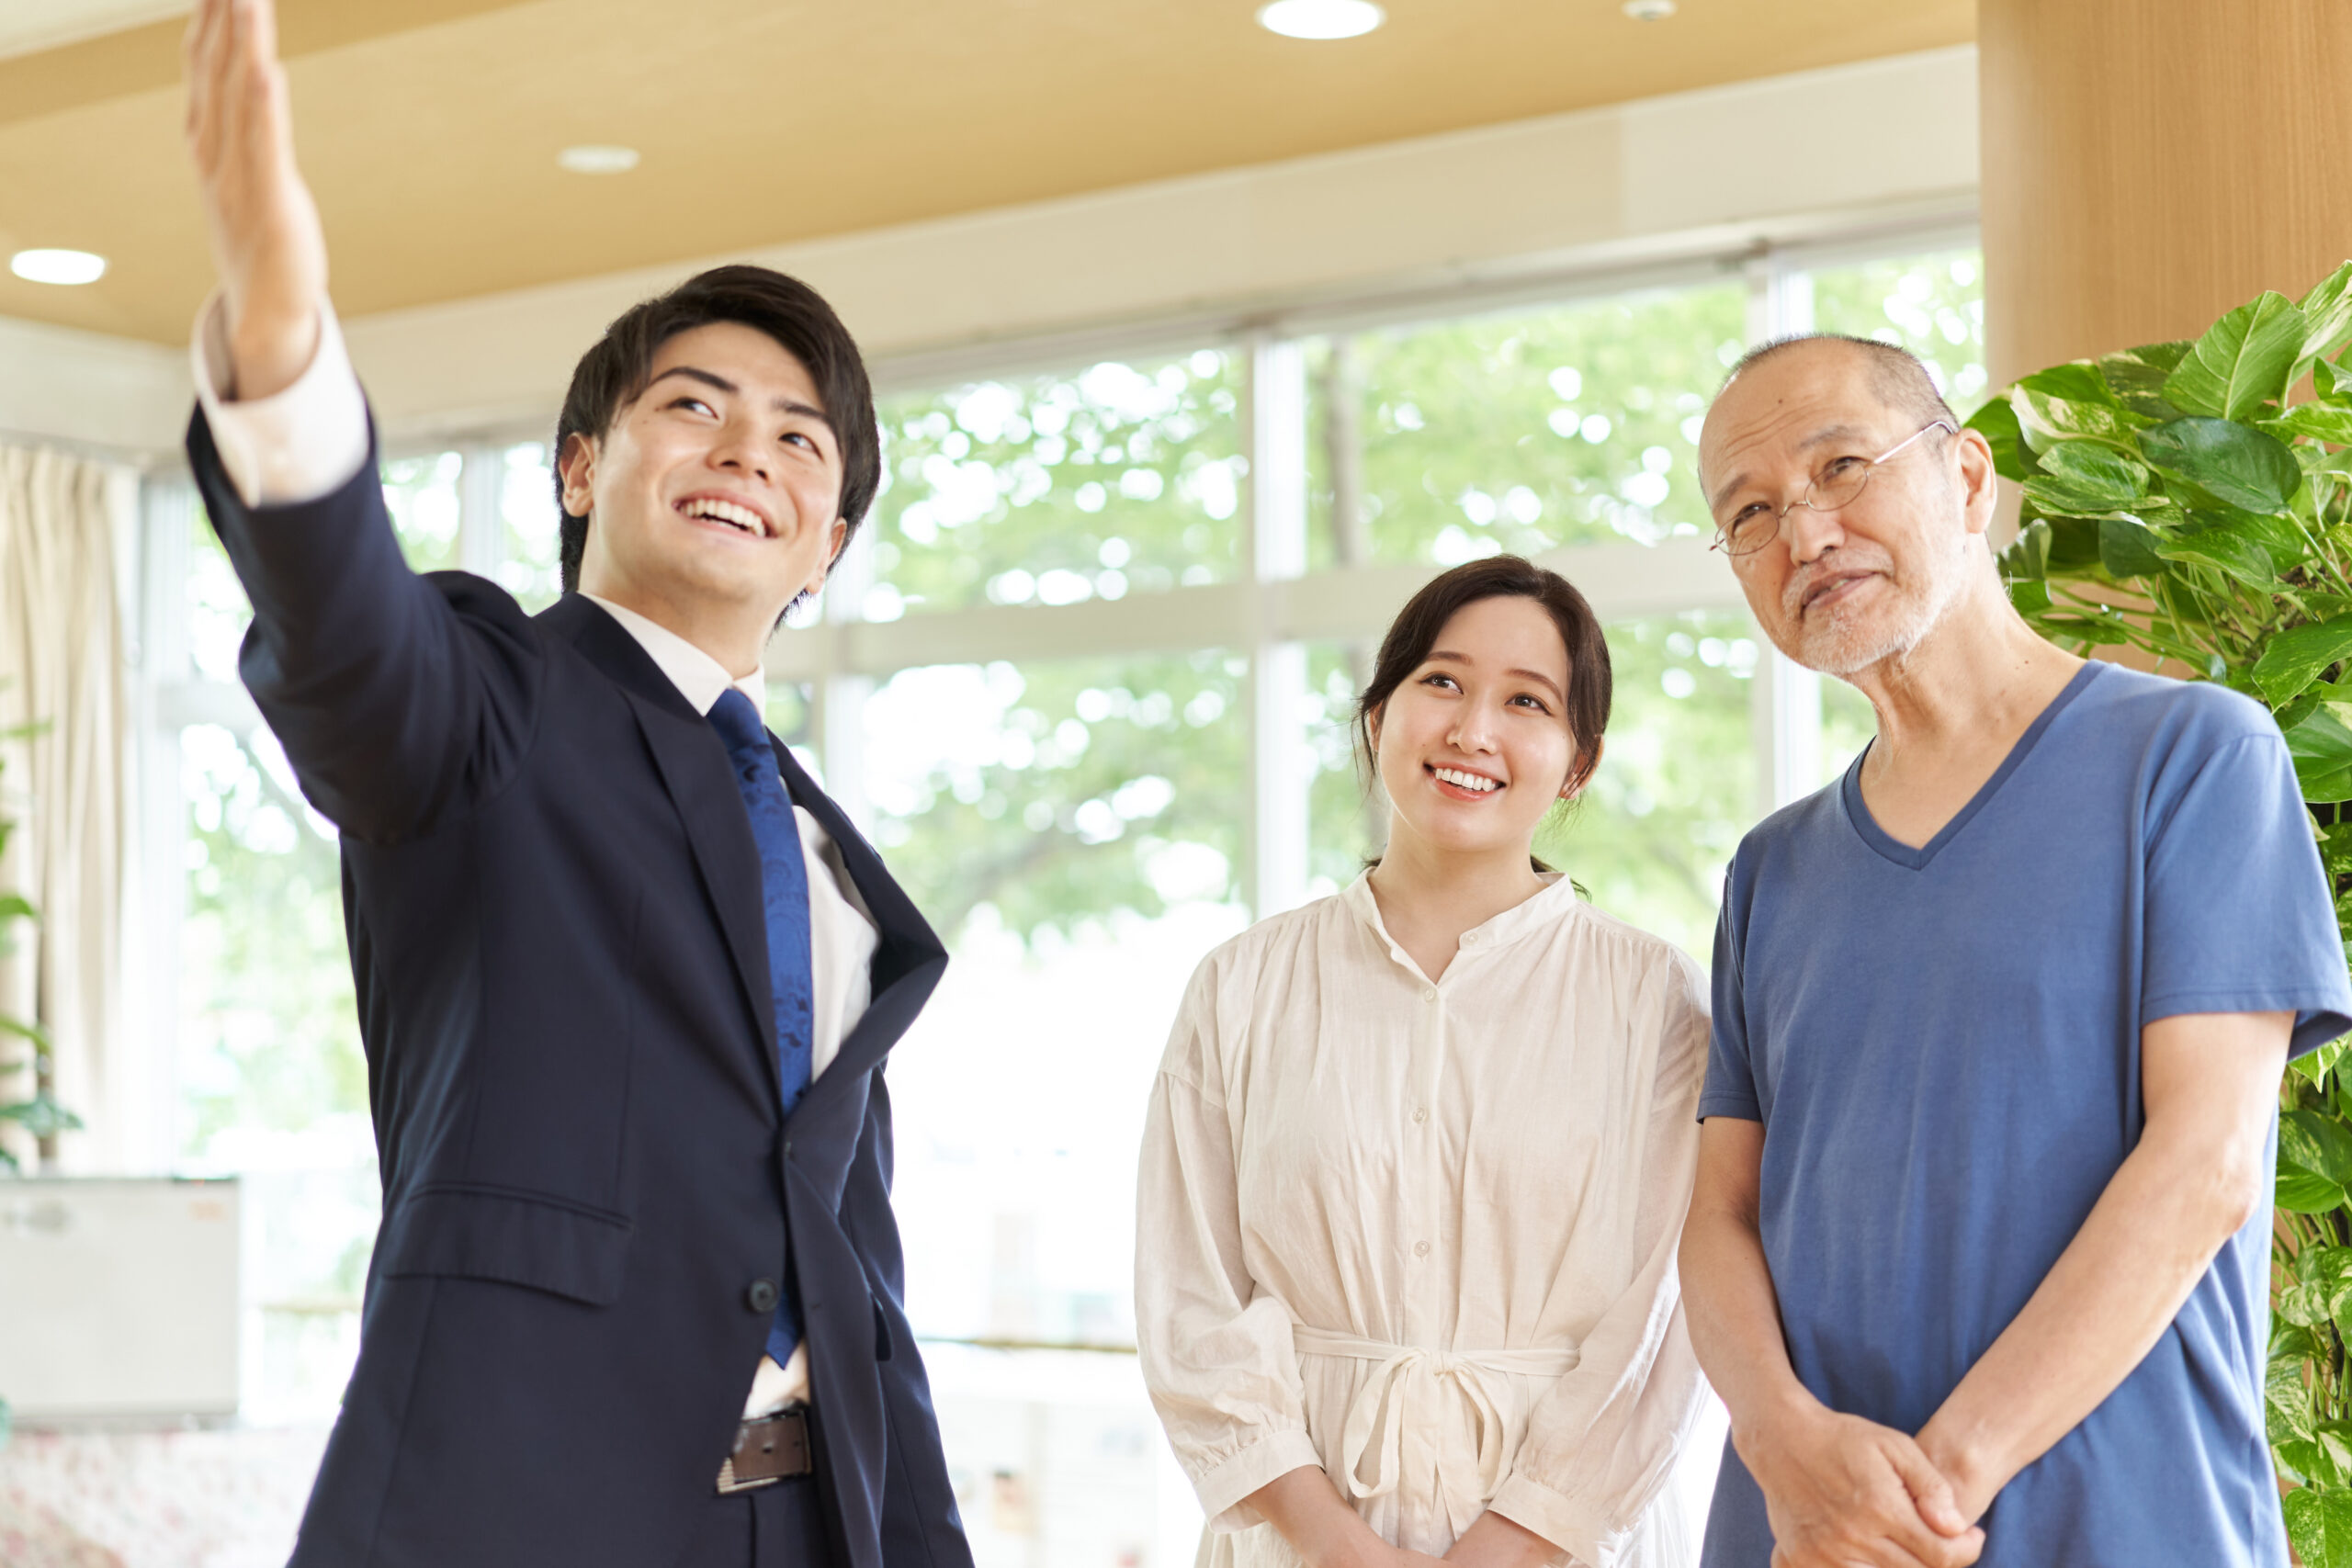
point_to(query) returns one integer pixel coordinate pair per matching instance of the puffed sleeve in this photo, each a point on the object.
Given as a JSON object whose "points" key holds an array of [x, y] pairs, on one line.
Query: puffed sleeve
{"points": [[1216, 1354], [1601, 1443]]}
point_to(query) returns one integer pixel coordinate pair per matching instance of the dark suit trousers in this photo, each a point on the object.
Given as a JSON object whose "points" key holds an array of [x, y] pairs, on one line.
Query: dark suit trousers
{"points": [[777, 1526]]}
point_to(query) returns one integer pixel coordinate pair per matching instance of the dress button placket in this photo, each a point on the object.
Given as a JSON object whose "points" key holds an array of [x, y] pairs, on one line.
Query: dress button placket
{"points": [[1420, 1217]]}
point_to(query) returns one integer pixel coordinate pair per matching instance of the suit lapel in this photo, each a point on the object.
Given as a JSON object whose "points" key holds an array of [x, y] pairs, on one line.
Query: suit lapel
{"points": [[910, 956], [694, 770]]}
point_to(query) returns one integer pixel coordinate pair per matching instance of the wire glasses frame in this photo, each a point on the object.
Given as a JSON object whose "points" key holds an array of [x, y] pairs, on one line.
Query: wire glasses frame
{"points": [[1832, 487]]}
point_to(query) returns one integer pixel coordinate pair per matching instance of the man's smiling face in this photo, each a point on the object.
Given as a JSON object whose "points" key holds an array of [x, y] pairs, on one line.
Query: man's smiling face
{"points": [[716, 492], [1840, 591]]}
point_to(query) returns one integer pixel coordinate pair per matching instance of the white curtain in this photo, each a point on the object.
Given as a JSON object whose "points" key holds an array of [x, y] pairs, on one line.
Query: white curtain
{"points": [[62, 667]]}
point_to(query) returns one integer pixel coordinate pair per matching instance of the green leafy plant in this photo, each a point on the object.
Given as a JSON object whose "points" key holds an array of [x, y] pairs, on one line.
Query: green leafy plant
{"points": [[2183, 499], [39, 1114]]}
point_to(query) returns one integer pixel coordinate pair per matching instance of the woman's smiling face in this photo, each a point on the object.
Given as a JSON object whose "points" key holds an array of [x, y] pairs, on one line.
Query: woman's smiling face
{"points": [[1473, 747]]}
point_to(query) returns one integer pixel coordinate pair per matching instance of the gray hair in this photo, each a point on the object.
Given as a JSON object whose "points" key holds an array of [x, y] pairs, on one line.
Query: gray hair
{"points": [[1898, 376]]}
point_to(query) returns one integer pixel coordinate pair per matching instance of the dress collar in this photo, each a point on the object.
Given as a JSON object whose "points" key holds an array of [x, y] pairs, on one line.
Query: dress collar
{"points": [[700, 679], [1536, 913]]}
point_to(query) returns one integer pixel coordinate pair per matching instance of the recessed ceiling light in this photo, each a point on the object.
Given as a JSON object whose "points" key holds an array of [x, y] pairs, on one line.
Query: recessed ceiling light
{"points": [[595, 160], [1650, 10], [1320, 18], [58, 267]]}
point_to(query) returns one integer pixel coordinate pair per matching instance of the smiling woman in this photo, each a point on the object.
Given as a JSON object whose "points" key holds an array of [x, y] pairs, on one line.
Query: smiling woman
{"points": [[1493, 686], [1434, 997]]}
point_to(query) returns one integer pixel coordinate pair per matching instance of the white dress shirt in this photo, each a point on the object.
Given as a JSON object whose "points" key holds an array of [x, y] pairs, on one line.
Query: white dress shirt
{"points": [[307, 441], [1422, 1234]]}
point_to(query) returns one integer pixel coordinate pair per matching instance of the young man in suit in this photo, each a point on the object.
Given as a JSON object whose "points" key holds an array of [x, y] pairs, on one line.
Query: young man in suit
{"points": [[626, 976]]}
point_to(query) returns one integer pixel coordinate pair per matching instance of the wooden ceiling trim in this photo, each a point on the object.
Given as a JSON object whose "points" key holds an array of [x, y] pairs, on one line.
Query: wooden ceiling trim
{"points": [[141, 59]]}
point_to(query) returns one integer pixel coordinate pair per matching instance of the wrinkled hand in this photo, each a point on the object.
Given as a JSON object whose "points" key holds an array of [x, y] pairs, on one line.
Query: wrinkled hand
{"points": [[1846, 1492], [268, 245]]}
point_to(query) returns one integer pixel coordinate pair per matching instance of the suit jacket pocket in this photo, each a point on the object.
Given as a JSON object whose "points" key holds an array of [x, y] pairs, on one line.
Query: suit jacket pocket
{"points": [[487, 1233]]}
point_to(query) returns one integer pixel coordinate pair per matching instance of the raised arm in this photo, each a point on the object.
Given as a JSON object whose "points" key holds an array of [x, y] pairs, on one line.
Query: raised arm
{"points": [[267, 247], [397, 701], [2210, 1084], [1839, 1490]]}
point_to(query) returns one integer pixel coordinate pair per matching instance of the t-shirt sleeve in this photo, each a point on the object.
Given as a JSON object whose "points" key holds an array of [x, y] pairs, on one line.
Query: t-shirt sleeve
{"points": [[2239, 914], [1731, 1079]]}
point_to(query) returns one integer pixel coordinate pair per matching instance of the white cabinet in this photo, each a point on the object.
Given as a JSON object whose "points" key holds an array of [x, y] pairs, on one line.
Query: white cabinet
{"points": [[118, 1298]]}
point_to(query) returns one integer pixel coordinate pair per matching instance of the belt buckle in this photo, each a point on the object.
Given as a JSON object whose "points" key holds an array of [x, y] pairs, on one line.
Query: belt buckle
{"points": [[772, 1448]]}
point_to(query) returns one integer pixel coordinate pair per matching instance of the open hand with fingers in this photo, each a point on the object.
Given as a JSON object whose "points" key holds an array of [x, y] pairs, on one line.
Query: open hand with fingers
{"points": [[268, 245], [1846, 1492]]}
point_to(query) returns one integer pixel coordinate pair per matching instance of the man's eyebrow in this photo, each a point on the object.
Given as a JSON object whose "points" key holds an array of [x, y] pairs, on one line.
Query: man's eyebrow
{"points": [[1442, 656], [1822, 437], [720, 383]]}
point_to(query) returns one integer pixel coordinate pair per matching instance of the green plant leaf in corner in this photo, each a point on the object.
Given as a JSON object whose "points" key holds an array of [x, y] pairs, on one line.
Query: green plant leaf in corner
{"points": [[2232, 462], [2232, 550], [2319, 1525], [2083, 479], [2316, 1065], [2137, 376], [2245, 359], [41, 1116], [2045, 421], [2327, 318], [2128, 548], [2331, 423], [2290, 1401], [2301, 1193], [2079, 382], [1996, 422], [2322, 748], [2295, 658]]}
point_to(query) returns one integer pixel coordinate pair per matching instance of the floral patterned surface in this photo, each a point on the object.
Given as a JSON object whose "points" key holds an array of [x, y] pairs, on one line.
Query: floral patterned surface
{"points": [[185, 1499]]}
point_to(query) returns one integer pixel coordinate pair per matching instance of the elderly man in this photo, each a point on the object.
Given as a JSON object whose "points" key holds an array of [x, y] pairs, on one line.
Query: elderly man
{"points": [[1978, 1252]]}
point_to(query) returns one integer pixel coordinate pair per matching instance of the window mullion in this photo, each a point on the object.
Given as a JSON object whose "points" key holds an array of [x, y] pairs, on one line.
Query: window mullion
{"points": [[1785, 711], [1276, 538]]}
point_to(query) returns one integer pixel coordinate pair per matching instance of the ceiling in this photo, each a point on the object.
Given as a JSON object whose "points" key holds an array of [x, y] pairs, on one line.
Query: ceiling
{"points": [[429, 128]]}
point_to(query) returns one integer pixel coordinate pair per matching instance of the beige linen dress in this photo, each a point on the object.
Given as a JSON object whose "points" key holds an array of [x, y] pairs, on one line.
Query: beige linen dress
{"points": [[1423, 1235]]}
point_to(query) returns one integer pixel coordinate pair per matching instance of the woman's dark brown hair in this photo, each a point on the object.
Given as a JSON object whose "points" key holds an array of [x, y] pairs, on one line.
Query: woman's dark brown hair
{"points": [[1415, 632]]}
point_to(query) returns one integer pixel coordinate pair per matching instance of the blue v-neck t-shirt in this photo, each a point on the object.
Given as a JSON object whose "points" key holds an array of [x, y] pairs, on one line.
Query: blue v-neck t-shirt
{"points": [[1943, 1046]]}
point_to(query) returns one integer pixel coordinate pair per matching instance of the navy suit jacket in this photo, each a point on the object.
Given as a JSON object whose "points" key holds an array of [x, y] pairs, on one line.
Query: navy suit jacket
{"points": [[553, 903]]}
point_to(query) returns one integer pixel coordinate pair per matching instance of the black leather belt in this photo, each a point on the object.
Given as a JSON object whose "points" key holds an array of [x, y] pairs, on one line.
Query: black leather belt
{"points": [[768, 1449]]}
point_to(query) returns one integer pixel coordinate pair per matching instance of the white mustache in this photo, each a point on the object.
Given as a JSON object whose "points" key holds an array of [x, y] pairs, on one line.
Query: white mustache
{"points": [[1835, 564]]}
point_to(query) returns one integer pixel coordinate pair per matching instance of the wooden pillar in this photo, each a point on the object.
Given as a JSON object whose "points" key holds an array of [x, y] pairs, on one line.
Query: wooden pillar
{"points": [[2150, 163]]}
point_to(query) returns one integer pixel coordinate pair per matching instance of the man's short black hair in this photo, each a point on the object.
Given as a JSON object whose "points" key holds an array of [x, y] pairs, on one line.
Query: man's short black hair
{"points": [[611, 375], [1900, 378]]}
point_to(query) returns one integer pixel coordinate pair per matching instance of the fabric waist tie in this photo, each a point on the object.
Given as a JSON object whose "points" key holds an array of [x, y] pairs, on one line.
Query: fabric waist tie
{"points": [[1407, 1379]]}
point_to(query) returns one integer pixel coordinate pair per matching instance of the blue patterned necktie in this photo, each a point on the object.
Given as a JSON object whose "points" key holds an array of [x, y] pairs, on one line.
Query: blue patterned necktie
{"points": [[783, 887]]}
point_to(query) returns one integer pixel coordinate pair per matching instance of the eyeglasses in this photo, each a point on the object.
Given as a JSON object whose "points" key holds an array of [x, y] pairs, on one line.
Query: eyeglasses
{"points": [[1840, 481]]}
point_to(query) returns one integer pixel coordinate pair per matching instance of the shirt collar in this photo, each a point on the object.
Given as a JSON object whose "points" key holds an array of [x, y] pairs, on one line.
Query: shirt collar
{"points": [[700, 679], [1557, 899]]}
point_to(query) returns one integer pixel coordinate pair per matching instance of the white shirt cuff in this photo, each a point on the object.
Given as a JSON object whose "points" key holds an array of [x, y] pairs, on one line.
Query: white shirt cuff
{"points": [[296, 446], [774, 1387]]}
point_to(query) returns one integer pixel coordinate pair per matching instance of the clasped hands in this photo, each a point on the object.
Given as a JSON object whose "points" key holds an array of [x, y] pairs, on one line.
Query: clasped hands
{"points": [[1842, 1492]]}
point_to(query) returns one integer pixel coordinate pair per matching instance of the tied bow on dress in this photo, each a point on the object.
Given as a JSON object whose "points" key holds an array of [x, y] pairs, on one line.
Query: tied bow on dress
{"points": [[1417, 1386]]}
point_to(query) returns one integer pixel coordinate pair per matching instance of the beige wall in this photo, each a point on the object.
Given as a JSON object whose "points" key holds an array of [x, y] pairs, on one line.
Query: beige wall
{"points": [[2148, 167]]}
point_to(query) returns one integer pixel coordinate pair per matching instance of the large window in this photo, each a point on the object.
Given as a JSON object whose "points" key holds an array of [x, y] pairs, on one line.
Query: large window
{"points": [[1088, 680]]}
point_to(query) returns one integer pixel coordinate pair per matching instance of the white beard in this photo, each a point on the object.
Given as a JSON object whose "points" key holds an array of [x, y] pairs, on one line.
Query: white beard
{"points": [[1844, 644]]}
